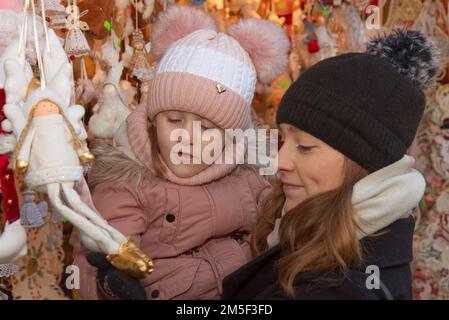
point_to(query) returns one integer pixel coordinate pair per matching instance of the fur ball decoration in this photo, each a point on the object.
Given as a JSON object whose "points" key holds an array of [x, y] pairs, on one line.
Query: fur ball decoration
{"points": [[266, 43], [175, 23], [411, 53]]}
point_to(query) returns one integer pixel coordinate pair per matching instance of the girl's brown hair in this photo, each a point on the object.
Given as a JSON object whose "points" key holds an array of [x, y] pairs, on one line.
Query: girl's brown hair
{"points": [[158, 167], [319, 234]]}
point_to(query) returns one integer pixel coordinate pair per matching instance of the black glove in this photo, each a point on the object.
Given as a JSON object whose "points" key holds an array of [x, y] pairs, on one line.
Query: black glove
{"points": [[113, 282]]}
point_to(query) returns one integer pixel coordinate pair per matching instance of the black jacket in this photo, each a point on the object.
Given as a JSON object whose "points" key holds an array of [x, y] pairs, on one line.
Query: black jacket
{"points": [[391, 252]]}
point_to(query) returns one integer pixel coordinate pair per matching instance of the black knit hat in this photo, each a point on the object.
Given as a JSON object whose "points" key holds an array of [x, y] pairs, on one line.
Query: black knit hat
{"points": [[366, 105]]}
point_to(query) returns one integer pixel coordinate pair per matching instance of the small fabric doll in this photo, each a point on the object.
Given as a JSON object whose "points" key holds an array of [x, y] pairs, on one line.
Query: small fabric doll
{"points": [[75, 43], [112, 110], [141, 67], [32, 214]]}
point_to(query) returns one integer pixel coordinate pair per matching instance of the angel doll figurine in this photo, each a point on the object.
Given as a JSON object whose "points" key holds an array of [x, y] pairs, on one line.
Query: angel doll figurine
{"points": [[76, 43], [112, 109], [50, 151], [141, 67]]}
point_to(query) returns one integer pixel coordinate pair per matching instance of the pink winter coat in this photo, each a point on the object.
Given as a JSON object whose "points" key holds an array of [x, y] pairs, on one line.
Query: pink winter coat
{"points": [[196, 235]]}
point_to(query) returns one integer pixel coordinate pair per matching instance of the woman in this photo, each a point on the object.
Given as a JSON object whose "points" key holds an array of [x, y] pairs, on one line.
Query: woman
{"points": [[339, 226]]}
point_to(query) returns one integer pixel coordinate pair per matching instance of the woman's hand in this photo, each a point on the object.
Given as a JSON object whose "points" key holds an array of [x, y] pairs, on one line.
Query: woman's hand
{"points": [[113, 282]]}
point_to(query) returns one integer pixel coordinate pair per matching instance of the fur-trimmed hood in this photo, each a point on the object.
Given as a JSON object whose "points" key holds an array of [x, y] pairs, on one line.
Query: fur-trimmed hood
{"points": [[112, 164]]}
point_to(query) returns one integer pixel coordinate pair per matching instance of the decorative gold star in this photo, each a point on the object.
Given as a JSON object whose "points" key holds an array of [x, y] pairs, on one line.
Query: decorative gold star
{"points": [[10, 202], [7, 176]]}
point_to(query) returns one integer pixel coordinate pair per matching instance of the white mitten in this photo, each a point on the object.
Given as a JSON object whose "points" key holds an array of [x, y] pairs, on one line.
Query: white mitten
{"points": [[16, 81], [16, 116], [62, 83], [54, 59], [75, 114], [7, 143], [11, 53], [13, 243]]}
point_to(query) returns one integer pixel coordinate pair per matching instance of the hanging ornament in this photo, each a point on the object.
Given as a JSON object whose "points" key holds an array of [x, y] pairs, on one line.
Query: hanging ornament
{"points": [[313, 46], [75, 43], [32, 214], [141, 68]]}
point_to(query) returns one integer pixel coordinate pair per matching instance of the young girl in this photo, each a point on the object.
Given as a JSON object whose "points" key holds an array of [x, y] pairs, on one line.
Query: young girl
{"points": [[340, 224], [192, 219]]}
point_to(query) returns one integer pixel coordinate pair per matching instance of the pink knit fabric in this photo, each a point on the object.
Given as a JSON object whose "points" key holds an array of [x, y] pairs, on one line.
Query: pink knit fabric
{"points": [[194, 94]]}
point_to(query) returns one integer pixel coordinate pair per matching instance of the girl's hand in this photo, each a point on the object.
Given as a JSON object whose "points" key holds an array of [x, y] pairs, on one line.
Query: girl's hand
{"points": [[16, 119]]}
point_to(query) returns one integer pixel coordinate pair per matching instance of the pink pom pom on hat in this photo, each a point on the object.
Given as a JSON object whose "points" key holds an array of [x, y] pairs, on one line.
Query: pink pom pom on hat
{"points": [[213, 74]]}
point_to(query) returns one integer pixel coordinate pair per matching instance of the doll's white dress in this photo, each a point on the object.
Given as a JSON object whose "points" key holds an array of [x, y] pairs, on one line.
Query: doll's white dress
{"points": [[48, 149]]}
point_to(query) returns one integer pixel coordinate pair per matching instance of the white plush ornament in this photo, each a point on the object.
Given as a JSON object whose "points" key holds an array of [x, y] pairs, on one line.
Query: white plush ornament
{"points": [[20, 87], [10, 25], [112, 109], [109, 54], [13, 243]]}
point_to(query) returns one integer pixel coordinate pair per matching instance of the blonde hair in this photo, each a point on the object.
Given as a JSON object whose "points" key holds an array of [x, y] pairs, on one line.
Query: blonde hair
{"points": [[319, 234], [76, 141]]}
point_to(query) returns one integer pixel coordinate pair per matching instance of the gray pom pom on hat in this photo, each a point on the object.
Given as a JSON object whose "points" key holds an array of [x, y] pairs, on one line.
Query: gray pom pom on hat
{"points": [[410, 52]]}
